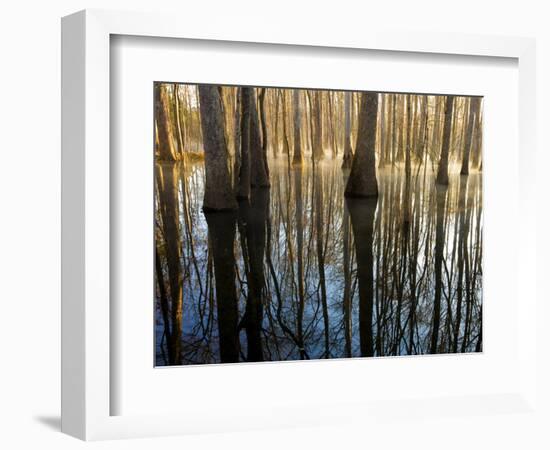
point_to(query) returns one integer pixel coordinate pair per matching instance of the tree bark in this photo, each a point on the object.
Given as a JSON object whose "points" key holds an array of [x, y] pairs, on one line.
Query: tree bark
{"points": [[218, 191], [259, 177], [166, 146], [469, 143], [346, 161], [317, 151], [408, 144], [362, 179], [382, 143], [297, 158], [237, 126], [178, 121], [443, 169], [263, 122], [436, 130], [243, 186]]}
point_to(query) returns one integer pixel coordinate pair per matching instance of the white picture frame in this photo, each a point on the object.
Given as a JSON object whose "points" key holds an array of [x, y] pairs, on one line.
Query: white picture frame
{"points": [[86, 245]]}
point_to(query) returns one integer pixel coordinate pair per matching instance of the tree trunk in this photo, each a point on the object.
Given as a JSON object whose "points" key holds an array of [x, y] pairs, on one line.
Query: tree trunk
{"points": [[178, 120], [259, 177], [478, 133], [218, 191], [436, 130], [395, 131], [408, 144], [263, 122], [346, 161], [382, 143], [297, 158], [443, 169], [400, 128], [243, 186], [237, 139], [317, 151], [166, 147], [286, 145], [469, 142], [362, 179]]}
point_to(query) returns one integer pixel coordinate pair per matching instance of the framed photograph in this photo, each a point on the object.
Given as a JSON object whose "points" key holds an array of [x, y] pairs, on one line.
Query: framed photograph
{"points": [[292, 229], [357, 240]]}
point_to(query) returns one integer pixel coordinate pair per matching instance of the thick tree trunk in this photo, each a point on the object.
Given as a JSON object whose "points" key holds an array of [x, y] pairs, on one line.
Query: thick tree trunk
{"points": [[330, 118], [179, 125], [259, 176], [443, 169], [420, 146], [243, 186], [297, 158], [362, 179], [382, 143], [218, 191], [166, 147], [478, 139], [286, 145], [395, 131], [389, 131], [401, 128], [317, 151], [237, 126], [470, 142], [263, 122], [348, 155]]}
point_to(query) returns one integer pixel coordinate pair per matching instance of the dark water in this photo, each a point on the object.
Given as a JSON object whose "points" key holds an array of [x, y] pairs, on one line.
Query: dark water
{"points": [[300, 272]]}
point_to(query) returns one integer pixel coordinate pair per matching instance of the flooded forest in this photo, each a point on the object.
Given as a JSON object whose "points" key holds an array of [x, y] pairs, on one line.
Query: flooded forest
{"points": [[295, 224]]}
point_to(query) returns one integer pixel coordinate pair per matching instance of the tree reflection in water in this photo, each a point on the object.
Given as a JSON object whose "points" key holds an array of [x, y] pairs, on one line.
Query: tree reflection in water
{"points": [[301, 272]]}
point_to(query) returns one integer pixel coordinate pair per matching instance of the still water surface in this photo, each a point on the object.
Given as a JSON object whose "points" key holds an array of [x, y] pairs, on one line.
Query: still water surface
{"points": [[300, 272]]}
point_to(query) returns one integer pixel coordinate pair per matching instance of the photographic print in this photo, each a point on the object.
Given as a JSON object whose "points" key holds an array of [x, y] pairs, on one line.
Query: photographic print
{"points": [[300, 224]]}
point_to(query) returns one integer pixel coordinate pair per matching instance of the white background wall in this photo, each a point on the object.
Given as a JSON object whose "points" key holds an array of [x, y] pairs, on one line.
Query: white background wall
{"points": [[30, 201]]}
